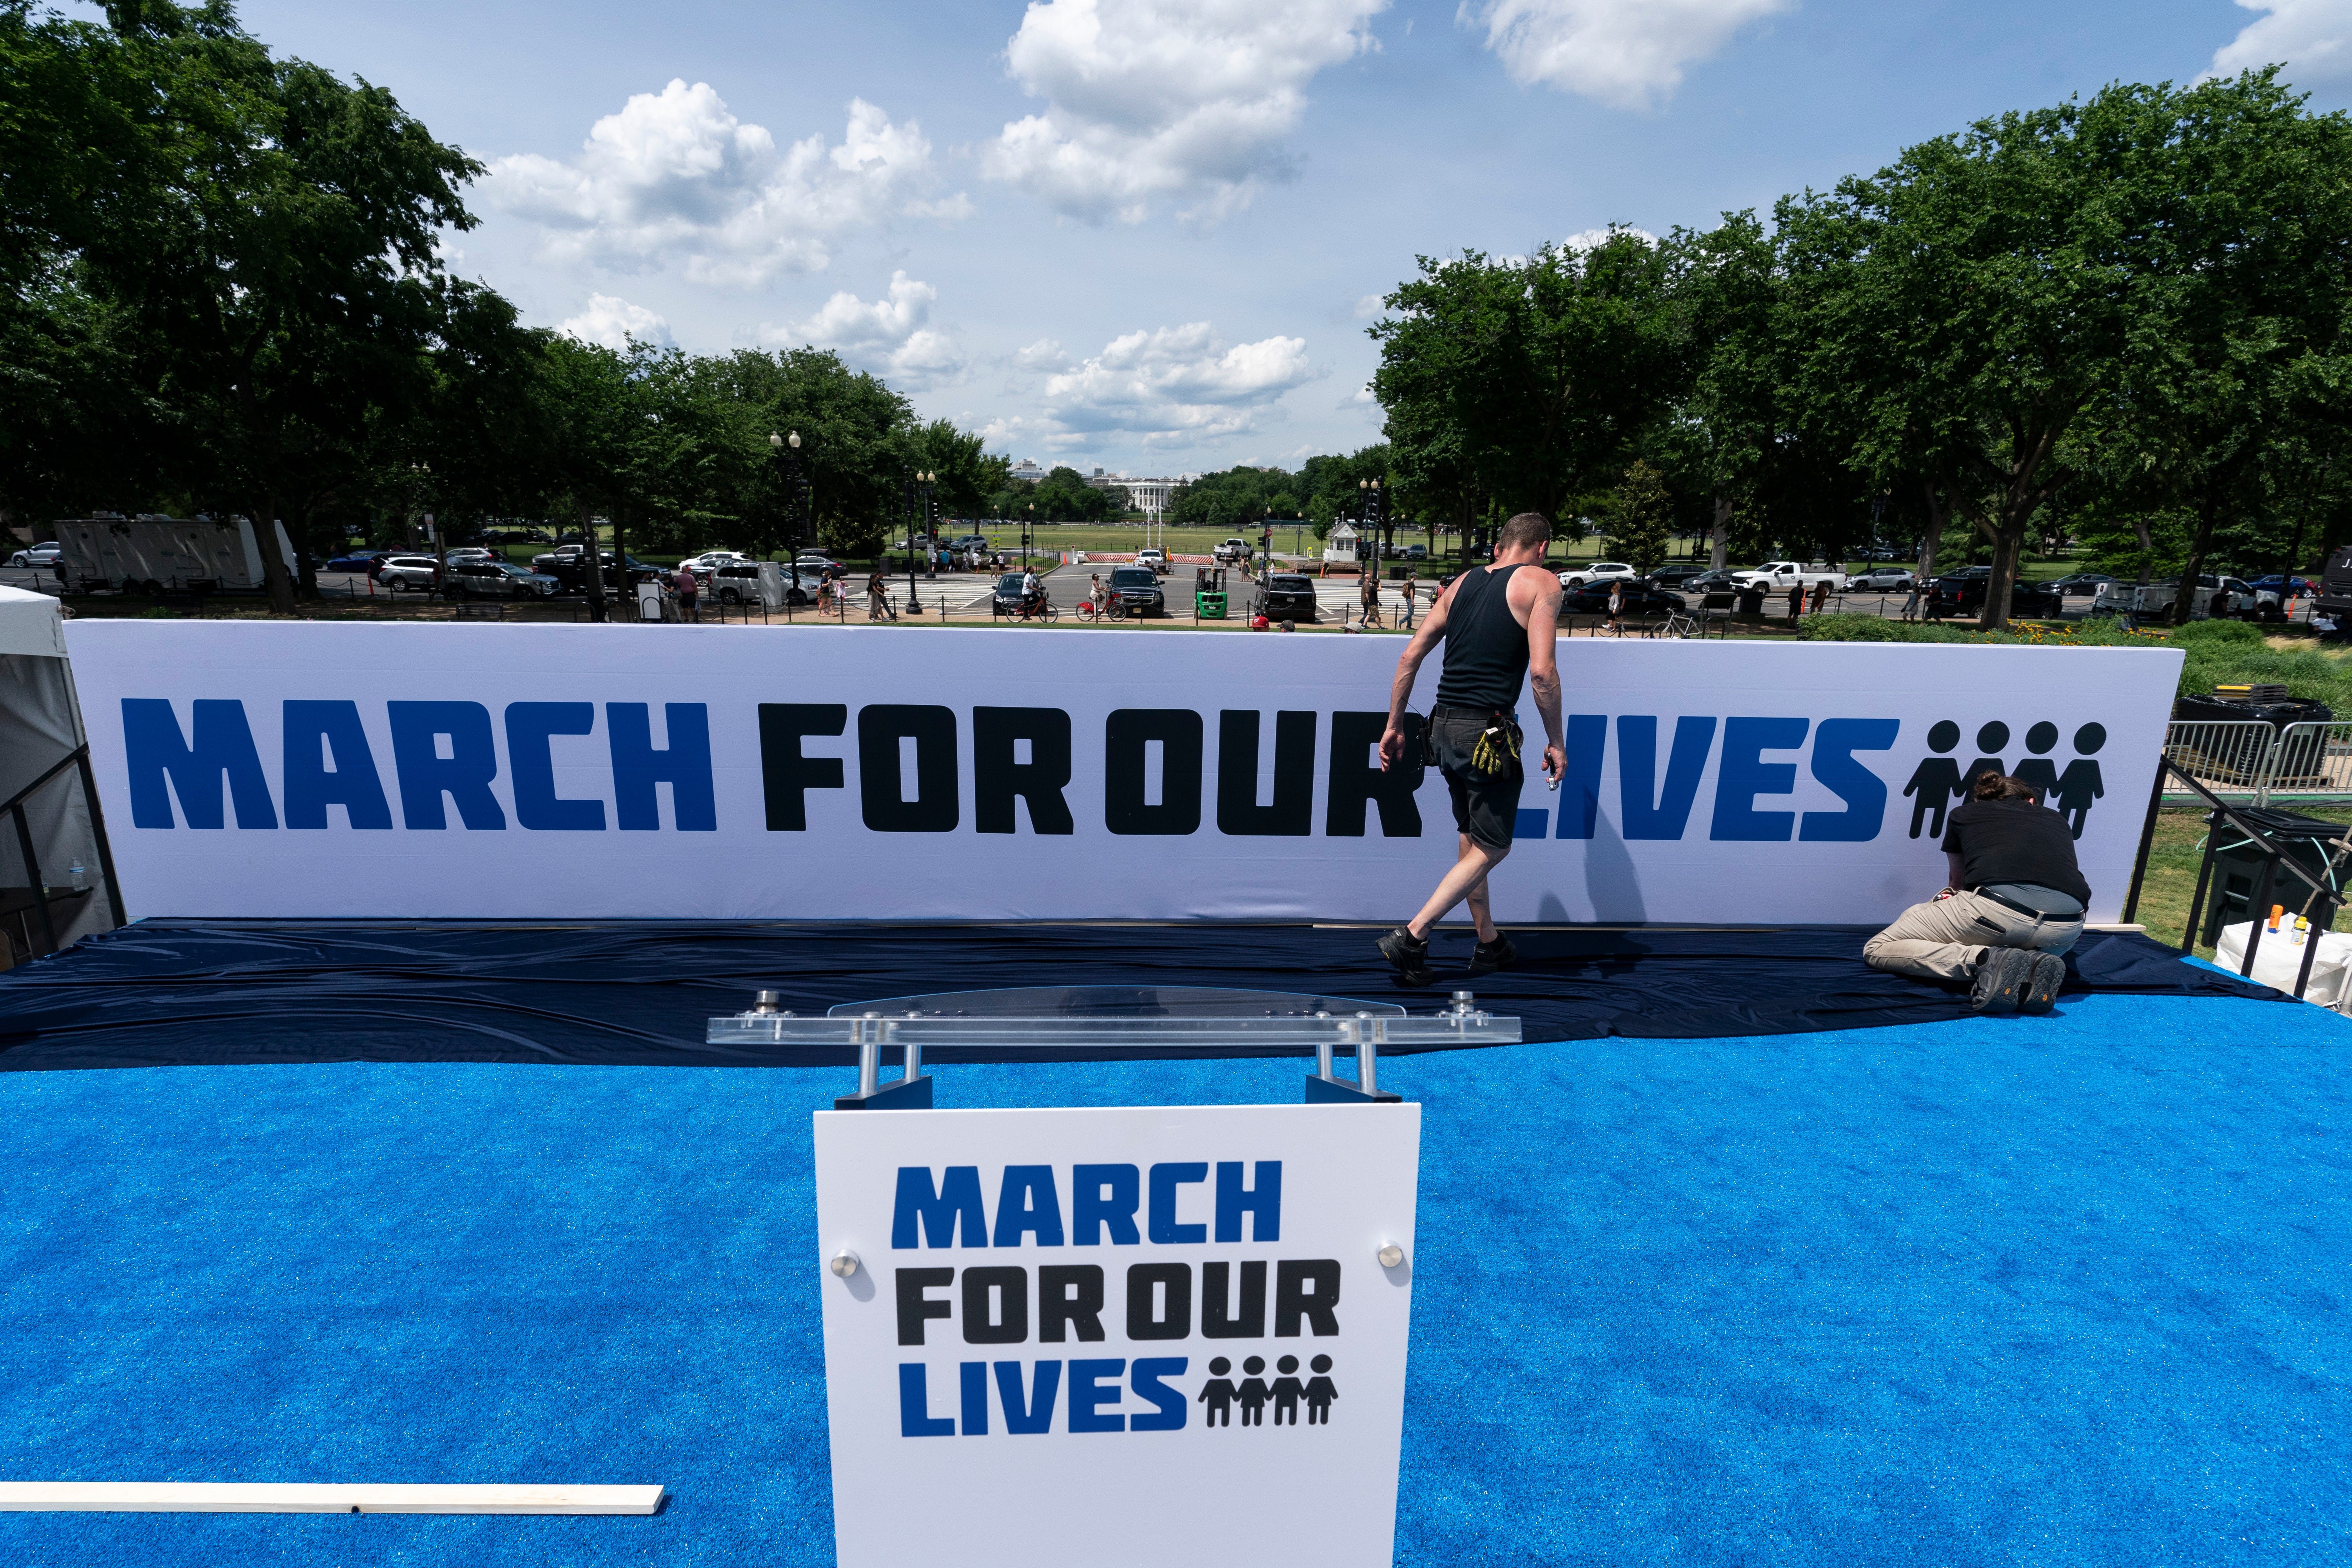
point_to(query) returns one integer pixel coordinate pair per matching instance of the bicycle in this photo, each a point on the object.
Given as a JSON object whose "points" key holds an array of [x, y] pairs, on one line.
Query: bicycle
{"points": [[1089, 614]]}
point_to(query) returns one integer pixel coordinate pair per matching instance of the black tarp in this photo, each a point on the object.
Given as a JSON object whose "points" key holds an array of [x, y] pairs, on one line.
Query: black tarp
{"points": [[171, 992]]}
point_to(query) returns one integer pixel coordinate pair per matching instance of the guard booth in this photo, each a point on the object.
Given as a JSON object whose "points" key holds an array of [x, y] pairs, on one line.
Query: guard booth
{"points": [[1340, 546], [56, 872]]}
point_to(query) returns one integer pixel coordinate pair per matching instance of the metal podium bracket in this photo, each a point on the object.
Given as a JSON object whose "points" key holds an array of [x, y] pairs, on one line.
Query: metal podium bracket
{"points": [[911, 1090], [1176, 1021]]}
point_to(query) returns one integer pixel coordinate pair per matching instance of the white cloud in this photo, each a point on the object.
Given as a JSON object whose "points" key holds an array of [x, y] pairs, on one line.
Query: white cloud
{"points": [[892, 337], [676, 174], [1153, 101], [1585, 239], [1172, 387], [1627, 54], [1368, 307], [2312, 38], [1046, 353], [611, 321]]}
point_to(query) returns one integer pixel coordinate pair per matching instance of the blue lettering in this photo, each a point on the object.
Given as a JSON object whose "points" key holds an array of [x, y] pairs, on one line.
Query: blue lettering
{"points": [[1264, 1204], [1532, 822], [915, 1417], [1637, 767], [537, 806], [1743, 774], [973, 1375], [464, 775], [153, 746], [1106, 1195], [1088, 1394], [684, 767], [1165, 1180], [957, 1198], [1149, 1371], [1038, 1212], [1863, 792], [1587, 745], [311, 729], [1037, 1415]]}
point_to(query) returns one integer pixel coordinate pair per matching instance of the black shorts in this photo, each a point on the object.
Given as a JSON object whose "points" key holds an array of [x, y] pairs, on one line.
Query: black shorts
{"points": [[1485, 805]]}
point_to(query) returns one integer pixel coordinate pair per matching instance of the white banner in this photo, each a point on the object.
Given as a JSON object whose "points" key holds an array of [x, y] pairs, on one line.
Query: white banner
{"points": [[431, 771], [1158, 1337]]}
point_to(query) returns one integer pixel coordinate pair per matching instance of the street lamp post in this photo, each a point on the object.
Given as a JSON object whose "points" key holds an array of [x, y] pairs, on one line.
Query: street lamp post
{"points": [[1028, 534], [922, 480]]}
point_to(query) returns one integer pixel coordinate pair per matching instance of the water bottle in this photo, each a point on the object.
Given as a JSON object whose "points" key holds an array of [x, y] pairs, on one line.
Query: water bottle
{"points": [[78, 879]]}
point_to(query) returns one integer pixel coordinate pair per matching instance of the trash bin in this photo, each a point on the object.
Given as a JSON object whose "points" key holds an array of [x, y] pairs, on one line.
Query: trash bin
{"points": [[2239, 859], [1208, 604]]}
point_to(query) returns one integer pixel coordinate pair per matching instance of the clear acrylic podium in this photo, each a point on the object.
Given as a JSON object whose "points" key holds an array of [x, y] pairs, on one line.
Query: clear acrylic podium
{"points": [[1164, 1020]]}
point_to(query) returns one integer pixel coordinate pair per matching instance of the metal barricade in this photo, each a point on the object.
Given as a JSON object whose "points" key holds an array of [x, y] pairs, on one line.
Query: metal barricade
{"points": [[2309, 762], [2231, 757]]}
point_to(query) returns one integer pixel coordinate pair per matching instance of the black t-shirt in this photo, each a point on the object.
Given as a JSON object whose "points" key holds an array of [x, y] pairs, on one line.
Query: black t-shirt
{"points": [[2015, 841]]}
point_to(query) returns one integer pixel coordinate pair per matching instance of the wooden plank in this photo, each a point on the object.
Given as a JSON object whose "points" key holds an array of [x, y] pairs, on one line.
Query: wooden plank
{"points": [[273, 1497]]}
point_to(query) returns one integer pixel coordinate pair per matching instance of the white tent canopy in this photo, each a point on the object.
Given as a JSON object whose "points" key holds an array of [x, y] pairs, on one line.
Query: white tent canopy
{"points": [[40, 727]]}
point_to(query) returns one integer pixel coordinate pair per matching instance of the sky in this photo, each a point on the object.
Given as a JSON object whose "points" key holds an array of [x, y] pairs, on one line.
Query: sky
{"points": [[1148, 236]]}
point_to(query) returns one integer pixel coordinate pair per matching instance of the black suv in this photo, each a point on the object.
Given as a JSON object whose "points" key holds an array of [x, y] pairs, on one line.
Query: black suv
{"points": [[1289, 598], [1137, 587], [568, 567], [1963, 594]]}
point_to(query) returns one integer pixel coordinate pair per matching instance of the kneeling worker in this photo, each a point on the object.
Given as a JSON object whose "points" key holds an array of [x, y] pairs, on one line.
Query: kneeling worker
{"points": [[2015, 903]]}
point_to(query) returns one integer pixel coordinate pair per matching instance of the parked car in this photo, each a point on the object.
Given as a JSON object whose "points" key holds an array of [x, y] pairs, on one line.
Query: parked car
{"points": [[39, 555], [419, 574], [1718, 581], [711, 560], [474, 552], [809, 560], [1137, 587], [969, 542], [1593, 599], [1414, 552], [1289, 598], [1962, 592], [568, 567], [362, 561], [1882, 580], [477, 579], [1780, 576], [1154, 557], [1574, 577], [2080, 584], [1233, 549], [1672, 577], [2276, 584]]}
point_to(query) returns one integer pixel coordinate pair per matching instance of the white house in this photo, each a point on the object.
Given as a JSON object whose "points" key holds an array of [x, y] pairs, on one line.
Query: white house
{"points": [[1340, 545]]}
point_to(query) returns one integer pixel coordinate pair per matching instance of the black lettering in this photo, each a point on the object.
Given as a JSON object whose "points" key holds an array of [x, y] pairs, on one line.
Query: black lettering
{"points": [[914, 1307], [1308, 1288], [997, 777], [879, 729], [784, 773], [1249, 1322], [1126, 735], [1355, 781], [1176, 1321], [1011, 1283], [1068, 1294], [1293, 811]]}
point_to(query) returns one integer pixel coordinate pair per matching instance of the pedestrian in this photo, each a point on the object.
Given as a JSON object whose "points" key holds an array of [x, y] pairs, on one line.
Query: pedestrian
{"points": [[1404, 614], [687, 590], [1911, 602], [1370, 594], [1617, 607], [1796, 600], [1499, 624], [1821, 594], [877, 599]]}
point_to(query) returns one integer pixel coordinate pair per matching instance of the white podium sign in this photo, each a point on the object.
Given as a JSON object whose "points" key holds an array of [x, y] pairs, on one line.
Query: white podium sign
{"points": [[1159, 1335]]}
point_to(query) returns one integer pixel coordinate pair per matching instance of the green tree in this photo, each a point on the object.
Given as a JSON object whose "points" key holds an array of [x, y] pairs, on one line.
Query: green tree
{"points": [[1641, 523]]}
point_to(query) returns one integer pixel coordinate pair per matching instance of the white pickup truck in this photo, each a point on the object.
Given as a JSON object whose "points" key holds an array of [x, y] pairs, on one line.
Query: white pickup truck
{"points": [[1234, 550], [1786, 574]]}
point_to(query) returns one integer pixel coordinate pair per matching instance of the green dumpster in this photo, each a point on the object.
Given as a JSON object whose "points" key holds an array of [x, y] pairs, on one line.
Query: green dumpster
{"points": [[1208, 604]]}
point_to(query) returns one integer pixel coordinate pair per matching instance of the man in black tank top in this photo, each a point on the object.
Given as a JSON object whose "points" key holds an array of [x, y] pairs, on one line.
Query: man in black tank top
{"points": [[1499, 624]]}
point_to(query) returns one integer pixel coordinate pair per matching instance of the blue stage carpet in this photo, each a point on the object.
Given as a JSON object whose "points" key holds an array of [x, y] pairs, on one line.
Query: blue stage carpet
{"points": [[2067, 1290]]}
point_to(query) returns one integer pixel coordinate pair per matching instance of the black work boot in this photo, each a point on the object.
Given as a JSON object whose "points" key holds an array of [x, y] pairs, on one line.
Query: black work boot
{"points": [[1489, 956], [1410, 955], [2002, 975], [2047, 975]]}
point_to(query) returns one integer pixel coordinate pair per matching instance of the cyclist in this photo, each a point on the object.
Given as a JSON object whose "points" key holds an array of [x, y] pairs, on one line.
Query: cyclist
{"points": [[1033, 593], [1095, 594]]}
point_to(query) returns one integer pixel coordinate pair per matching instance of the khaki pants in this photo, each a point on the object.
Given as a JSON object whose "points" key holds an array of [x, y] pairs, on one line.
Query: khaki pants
{"points": [[1946, 939]]}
